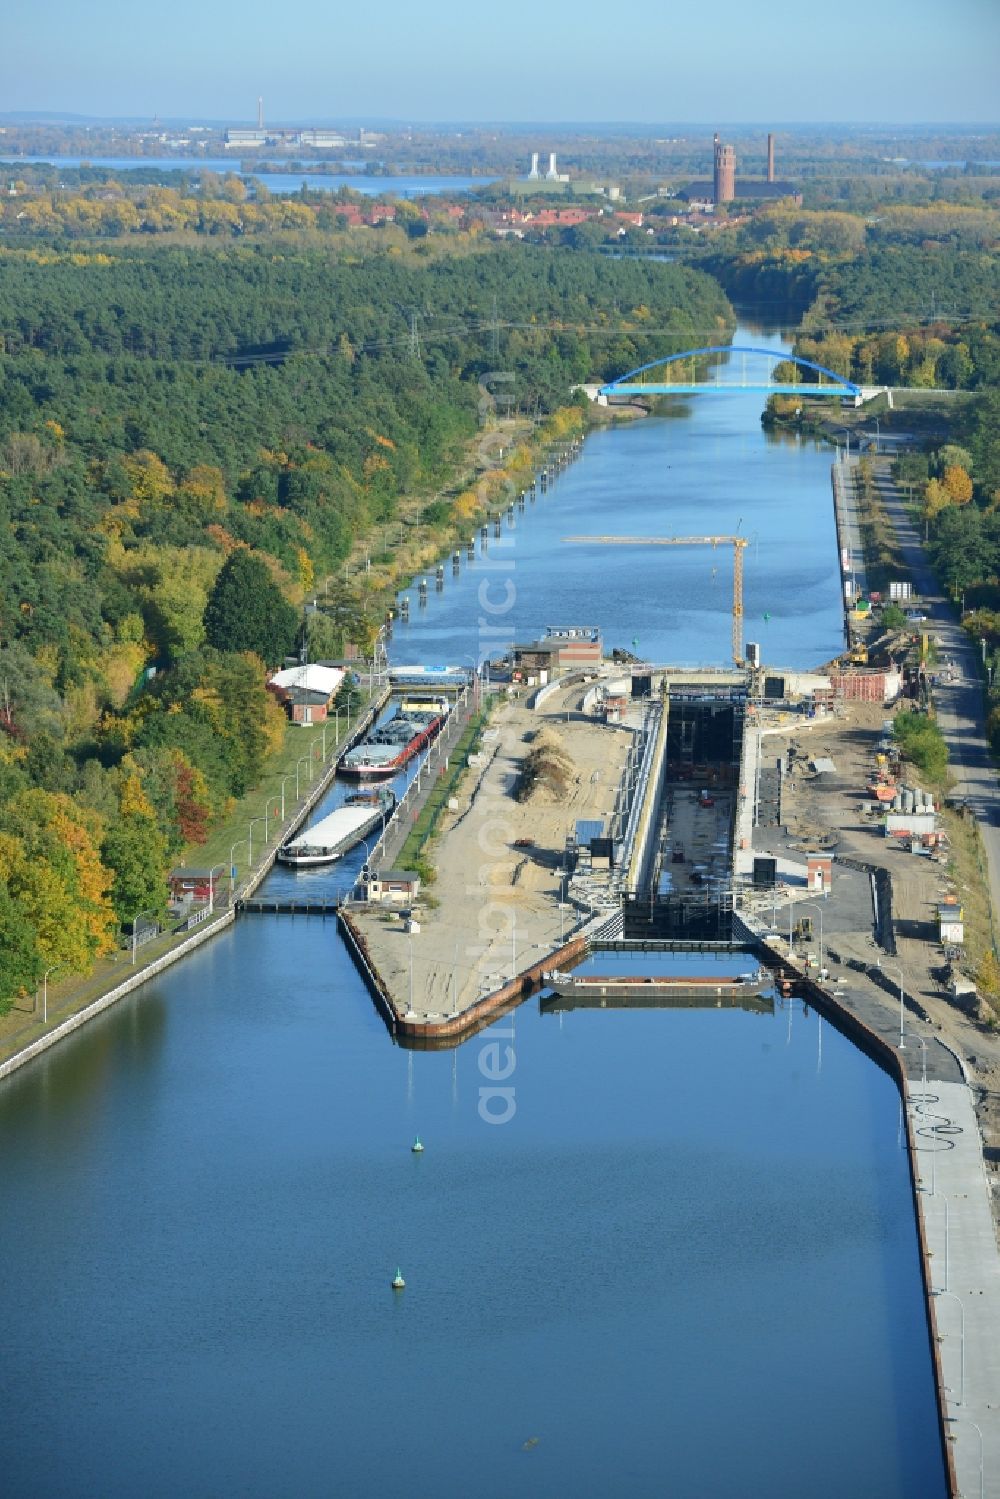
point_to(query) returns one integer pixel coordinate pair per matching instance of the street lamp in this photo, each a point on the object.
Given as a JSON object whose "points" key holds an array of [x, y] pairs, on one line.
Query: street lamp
{"points": [[211, 885], [946, 1236], [308, 760], [232, 867], [45, 994], [151, 911], [982, 1490], [250, 839], [285, 778], [961, 1308], [267, 804], [899, 977]]}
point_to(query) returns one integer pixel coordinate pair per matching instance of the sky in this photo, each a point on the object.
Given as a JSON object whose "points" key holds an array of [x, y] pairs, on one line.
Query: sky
{"points": [[456, 60]]}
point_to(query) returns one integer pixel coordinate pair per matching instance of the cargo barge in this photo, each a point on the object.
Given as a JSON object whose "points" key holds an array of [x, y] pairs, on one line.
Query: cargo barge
{"points": [[389, 748], [336, 834], [642, 989]]}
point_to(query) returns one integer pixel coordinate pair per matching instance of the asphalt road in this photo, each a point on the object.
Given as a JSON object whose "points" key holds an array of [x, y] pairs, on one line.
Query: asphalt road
{"points": [[960, 705]]}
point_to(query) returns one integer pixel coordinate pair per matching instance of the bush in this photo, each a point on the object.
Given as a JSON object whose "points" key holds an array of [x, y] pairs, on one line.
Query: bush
{"points": [[922, 742]]}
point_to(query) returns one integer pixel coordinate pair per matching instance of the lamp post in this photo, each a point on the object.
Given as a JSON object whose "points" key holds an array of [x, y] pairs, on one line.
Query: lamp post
{"points": [[250, 839], [45, 994], [232, 867], [267, 803], [211, 885], [285, 778], [151, 911], [961, 1308], [982, 1489], [946, 1237], [308, 759], [899, 979]]}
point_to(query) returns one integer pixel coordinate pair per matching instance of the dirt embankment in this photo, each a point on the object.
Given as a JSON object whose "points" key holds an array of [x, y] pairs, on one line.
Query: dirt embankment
{"points": [[546, 772]]}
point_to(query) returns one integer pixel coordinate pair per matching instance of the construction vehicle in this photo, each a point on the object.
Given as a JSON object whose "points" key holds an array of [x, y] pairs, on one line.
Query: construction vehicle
{"points": [[858, 654]]}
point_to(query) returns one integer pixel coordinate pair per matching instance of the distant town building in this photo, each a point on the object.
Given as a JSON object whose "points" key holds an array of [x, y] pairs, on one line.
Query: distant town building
{"points": [[725, 172], [237, 138], [724, 186], [320, 140]]}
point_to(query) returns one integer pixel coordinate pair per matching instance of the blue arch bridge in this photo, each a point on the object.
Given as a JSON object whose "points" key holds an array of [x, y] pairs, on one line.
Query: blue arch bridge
{"points": [[701, 371]]}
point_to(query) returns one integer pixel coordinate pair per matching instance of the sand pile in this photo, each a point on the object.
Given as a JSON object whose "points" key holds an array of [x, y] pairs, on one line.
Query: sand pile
{"points": [[547, 772]]}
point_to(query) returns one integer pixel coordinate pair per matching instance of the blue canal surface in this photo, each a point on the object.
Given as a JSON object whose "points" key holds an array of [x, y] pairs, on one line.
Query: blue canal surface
{"points": [[709, 469], [410, 186], [686, 1265]]}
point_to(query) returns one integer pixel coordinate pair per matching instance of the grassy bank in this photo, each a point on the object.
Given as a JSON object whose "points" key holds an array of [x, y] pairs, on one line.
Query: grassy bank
{"points": [[967, 866]]}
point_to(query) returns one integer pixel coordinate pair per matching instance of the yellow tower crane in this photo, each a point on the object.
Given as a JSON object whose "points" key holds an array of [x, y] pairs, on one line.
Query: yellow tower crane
{"points": [[738, 544]]}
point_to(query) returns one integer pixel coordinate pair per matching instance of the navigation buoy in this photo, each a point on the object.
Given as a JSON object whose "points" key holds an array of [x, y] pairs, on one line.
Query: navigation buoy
{"points": [[416, 1147], [398, 1282]]}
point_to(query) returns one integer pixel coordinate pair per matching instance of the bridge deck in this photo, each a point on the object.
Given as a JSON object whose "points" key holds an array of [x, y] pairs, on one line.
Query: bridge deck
{"points": [[721, 387]]}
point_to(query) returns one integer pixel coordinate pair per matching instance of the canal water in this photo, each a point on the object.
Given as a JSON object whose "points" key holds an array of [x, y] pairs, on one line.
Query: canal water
{"points": [[408, 186], [685, 1264]]}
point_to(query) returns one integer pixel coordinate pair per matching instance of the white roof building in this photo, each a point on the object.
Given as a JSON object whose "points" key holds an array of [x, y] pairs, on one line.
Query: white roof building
{"points": [[311, 678]]}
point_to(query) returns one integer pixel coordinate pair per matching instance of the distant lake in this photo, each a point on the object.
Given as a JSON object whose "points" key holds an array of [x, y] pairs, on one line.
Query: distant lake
{"points": [[277, 182], [941, 166]]}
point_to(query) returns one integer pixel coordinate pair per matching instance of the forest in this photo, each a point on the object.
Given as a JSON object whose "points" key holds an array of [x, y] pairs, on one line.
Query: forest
{"points": [[169, 414]]}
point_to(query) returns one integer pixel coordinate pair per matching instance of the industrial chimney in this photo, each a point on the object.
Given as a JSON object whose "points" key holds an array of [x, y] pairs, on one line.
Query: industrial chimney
{"points": [[260, 112], [770, 157], [533, 174], [552, 174]]}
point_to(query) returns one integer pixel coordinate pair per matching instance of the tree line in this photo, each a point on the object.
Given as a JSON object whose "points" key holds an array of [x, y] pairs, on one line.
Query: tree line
{"points": [[191, 440]]}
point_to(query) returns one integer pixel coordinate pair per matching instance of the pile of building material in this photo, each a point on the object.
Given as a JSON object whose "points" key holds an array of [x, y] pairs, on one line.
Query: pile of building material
{"points": [[546, 772]]}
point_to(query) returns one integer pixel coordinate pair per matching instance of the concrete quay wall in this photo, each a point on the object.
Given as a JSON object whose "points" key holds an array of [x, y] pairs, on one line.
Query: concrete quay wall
{"points": [[852, 1026], [468, 1021]]}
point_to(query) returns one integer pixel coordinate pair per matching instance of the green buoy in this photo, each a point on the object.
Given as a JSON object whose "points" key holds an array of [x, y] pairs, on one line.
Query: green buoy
{"points": [[416, 1147], [398, 1281]]}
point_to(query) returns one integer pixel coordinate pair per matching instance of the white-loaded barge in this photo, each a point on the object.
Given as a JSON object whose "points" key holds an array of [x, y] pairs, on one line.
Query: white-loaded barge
{"points": [[334, 835]]}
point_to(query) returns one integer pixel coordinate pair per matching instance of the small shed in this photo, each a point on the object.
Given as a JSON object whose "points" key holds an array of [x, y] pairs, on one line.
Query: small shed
{"points": [[819, 873], [392, 887], [951, 927], [307, 692], [190, 885]]}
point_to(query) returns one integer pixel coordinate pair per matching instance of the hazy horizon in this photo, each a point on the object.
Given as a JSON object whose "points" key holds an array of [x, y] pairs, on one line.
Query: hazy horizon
{"points": [[910, 62]]}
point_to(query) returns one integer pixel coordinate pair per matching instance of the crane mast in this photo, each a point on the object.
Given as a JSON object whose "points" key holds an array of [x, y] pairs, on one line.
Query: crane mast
{"points": [[738, 544]]}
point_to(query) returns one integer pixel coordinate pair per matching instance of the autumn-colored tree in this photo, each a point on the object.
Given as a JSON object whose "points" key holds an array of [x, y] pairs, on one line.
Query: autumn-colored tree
{"points": [[936, 499], [191, 799], [958, 485], [151, 480], [54, 873]]}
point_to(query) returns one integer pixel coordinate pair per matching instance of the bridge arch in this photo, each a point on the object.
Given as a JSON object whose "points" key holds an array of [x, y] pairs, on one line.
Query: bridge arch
{"points": [[840, 384]]}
